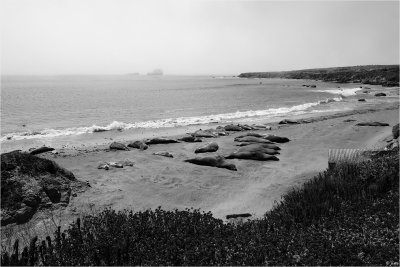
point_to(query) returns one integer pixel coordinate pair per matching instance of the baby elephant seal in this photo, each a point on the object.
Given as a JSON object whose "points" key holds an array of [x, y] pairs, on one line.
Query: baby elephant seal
{"points": [[251, 155], [139, 145], [190, 139], [277, 139], [103, 165], [217, 161], [163, 153], [211, 147], [116, 164]]}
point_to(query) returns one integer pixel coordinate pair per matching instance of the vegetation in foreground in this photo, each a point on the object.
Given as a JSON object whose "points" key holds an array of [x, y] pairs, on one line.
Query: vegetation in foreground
{"points": [[345, 216]]}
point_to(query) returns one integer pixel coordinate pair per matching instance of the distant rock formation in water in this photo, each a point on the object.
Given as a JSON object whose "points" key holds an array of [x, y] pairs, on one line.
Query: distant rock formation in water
{"points": [[157, 72]]}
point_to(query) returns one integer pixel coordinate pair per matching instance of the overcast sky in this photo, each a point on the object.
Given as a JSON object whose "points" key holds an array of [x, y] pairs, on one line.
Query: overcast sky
{"points": [[193, 37]]}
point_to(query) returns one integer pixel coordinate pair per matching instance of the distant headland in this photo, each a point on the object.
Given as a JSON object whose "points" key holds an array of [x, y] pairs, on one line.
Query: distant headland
{"points": [[386, 75]]}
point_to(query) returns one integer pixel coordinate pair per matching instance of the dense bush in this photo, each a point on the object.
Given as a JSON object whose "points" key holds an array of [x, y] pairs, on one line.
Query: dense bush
{"points": [[345, 216]]}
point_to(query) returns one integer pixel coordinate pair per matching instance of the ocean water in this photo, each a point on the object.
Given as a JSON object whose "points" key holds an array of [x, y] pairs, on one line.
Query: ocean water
{"points": [[40, 107]]}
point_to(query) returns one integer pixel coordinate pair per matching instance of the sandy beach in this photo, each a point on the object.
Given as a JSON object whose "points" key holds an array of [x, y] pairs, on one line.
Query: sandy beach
{"points": [[254, 188]]}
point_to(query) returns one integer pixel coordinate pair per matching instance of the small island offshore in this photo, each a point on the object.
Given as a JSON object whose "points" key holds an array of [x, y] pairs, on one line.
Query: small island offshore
{"points": [[300, 189]]}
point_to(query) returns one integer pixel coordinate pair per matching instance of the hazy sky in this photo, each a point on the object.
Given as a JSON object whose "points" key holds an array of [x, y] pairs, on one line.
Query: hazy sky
{"points": [[193, 37]]}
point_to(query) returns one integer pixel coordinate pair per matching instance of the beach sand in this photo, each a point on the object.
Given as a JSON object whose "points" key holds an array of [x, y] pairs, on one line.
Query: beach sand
{"points": [[172, 183]]}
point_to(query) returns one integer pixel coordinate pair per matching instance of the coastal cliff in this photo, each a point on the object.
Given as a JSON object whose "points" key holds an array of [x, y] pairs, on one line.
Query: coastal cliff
{"points": [[386, 75]]}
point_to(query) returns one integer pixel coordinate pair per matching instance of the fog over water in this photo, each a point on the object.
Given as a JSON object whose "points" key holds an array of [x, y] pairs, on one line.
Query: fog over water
{"points": [[45, 37]]}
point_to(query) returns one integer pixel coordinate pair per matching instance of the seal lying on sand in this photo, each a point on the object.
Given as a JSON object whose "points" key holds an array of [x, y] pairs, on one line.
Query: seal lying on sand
{"points": [[233, 128], [277, 139], [252, 139], [205, 134], [164, 153], [271, 146], [190, 139], [139, 145], [376, 123], [160, 140], [252, 134], [258, 148], [210, 147], [118, 146], [216, 161], [251, 155]]}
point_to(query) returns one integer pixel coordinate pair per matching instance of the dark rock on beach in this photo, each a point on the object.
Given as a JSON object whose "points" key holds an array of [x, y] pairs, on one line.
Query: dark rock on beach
{"points": [[376, 123], [380, 94], [395, 131], [41, 150], [118, 146], [29, 183]]}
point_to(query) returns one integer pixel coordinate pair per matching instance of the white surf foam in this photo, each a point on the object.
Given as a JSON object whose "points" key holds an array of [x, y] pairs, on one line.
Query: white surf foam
{"points": [[340, 91], [171, 122]]}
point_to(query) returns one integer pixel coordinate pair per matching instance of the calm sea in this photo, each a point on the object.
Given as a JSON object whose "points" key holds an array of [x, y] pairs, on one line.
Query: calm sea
{"points": [[49, 106]]}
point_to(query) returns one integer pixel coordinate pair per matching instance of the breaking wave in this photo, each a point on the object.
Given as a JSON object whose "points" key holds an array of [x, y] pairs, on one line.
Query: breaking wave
{"points": [[172, 122], [340, 91]]}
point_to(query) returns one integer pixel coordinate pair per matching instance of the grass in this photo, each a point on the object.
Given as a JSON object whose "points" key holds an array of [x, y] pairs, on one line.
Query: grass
{"points": [[345, 216]]}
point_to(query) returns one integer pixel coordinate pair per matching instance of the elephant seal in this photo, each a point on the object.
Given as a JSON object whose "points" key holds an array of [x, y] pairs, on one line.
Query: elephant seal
{"points": [[216, 161], [258, 148], [251, 155], [205, 134], [380, 94], [277, 139], [252, 134], [271, 146], [118, 146], [252, 139], [164, 153], [287, 121], [190, 139], [210, 147], [41, 150], [160, 140], [376, 123], [233, 128], [139, 145], [103, 165], [116, 164]]}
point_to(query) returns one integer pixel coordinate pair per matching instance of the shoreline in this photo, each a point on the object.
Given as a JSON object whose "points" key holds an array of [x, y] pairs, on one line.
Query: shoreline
{"points": [[171, 183]]}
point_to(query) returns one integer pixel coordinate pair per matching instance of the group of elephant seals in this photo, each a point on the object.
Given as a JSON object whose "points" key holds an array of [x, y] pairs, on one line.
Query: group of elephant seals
{"points": [[251, 155], [139, 145], [190, 139], [210, 147], [160, 140], [164, 153], [216, 161]]}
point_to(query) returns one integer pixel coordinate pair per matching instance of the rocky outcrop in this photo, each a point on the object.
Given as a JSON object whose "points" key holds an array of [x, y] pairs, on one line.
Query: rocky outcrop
{"points": [[30, 183], [395, 131]]}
